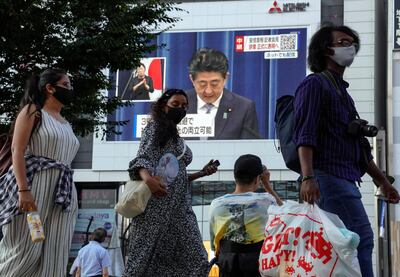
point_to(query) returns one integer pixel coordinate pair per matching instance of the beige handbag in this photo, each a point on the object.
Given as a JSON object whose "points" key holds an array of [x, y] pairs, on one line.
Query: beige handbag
{"points": [[135, 196], [134, 199]]}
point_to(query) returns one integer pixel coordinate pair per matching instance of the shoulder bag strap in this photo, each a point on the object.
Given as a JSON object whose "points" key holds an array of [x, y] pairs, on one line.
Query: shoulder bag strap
{"points": [[38, 118], [183, 151], [328, 76]]}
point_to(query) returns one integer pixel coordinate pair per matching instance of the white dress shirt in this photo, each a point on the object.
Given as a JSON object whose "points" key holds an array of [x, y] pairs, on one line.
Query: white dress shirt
{"points": [[202, 108], [92, 259]]}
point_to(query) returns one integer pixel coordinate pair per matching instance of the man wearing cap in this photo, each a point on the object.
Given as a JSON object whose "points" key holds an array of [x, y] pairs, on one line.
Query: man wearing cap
{"points": [[237, 220]]}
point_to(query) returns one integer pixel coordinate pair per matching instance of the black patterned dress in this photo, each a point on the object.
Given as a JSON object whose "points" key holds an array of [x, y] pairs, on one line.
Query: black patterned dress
{"points": [[165, 240]]}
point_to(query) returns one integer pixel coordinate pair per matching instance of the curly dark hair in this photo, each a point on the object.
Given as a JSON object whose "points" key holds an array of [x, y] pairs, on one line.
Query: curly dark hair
{"points": [[165, 129], [320, 43]]}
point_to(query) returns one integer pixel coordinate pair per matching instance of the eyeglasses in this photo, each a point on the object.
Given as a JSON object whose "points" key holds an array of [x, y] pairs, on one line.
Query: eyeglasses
{"points": [[346, 43]]}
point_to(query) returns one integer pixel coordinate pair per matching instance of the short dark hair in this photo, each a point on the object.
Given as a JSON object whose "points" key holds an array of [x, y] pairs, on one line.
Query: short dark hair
{"points": [[142, 64], [208, 60], [99, 235], [244, 180], [247, 168], [321, 41]]}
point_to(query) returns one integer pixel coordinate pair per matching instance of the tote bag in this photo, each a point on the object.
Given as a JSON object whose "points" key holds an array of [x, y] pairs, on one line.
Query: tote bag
{"points": [[135, 196]]}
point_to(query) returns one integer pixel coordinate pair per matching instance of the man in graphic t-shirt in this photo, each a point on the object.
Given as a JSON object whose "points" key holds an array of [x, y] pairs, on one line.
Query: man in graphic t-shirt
{"points": [[237, 220]]}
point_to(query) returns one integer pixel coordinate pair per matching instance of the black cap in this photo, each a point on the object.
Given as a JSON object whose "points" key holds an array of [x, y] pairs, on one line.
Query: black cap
{"points": [[248, 166]]}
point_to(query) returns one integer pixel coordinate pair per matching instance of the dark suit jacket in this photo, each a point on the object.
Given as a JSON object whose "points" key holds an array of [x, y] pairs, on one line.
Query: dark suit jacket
{"points": [[141, 93], [240, 120]]}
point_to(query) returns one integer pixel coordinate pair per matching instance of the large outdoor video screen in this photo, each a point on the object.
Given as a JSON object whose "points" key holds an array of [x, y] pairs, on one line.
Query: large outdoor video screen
{"points": [[263, 65]]}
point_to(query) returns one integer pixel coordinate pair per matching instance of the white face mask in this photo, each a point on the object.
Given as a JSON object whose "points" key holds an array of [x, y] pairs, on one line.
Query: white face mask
{"points": [[344, 56]]}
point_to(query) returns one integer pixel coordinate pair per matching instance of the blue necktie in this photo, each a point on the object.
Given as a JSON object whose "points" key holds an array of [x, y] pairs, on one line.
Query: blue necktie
{"points": [[209, 107], [208, 110]]}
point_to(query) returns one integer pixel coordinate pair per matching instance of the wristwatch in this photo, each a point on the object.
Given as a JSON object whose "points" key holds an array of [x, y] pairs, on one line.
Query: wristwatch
{"points": [[307, 177]]}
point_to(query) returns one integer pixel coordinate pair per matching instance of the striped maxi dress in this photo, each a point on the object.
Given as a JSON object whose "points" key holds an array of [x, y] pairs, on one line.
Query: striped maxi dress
{"points": [[19, 256]]}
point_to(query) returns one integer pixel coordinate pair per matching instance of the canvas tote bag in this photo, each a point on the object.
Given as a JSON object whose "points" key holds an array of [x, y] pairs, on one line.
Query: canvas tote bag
{"points": [[135, 196]]}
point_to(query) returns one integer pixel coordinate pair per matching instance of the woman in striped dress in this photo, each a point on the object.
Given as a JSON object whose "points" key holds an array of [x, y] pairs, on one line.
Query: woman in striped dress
{"points": [[42, 179]]}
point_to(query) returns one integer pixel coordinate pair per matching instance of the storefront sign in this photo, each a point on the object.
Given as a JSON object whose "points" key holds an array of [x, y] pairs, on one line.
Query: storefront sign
{"points": [[396, 23], [97, 198], [288, 7], [92, 218]]}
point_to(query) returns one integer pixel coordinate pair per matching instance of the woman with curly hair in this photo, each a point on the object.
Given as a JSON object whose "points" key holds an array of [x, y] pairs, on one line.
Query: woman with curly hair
{"points": [[165, 240]]}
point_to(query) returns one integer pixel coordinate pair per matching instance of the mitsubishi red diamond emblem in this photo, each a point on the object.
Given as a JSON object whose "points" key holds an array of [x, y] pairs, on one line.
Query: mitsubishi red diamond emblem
{"points": [[275, 8]]}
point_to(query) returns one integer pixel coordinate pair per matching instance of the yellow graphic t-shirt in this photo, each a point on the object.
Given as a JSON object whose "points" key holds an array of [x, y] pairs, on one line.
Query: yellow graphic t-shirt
{"points": [[239, 217]]}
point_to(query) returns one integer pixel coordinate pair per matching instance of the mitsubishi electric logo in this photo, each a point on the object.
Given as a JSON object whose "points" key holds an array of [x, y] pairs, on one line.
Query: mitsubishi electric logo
{"points": [[275, 8], [288, 7]]}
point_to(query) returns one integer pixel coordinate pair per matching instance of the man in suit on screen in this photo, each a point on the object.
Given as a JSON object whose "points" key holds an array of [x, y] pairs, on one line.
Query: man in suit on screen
{"points": [[234, 116]]}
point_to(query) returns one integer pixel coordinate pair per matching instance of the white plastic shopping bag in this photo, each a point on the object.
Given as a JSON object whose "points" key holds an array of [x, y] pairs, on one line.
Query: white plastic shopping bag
{"points": [[303, 240]]}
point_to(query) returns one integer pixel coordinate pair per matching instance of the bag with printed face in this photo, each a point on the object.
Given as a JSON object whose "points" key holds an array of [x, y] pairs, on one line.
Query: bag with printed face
{"points": [[303, 240]]}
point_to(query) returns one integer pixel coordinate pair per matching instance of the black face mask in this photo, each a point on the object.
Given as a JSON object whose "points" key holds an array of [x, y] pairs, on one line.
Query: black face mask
{"points": [[65, 96], [176, 114]]}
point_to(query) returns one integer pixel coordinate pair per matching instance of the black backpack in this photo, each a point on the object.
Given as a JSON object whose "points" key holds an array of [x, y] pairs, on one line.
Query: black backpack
{"points": [[284, 126]]}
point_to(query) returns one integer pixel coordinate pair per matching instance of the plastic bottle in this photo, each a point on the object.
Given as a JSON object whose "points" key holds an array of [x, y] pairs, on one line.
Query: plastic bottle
{"points": [[35, 226]]}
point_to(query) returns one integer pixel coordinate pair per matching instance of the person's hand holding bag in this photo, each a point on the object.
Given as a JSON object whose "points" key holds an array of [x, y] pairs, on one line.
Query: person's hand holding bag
{"points": [[156, 186], [390, 193], [154, 183]]}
